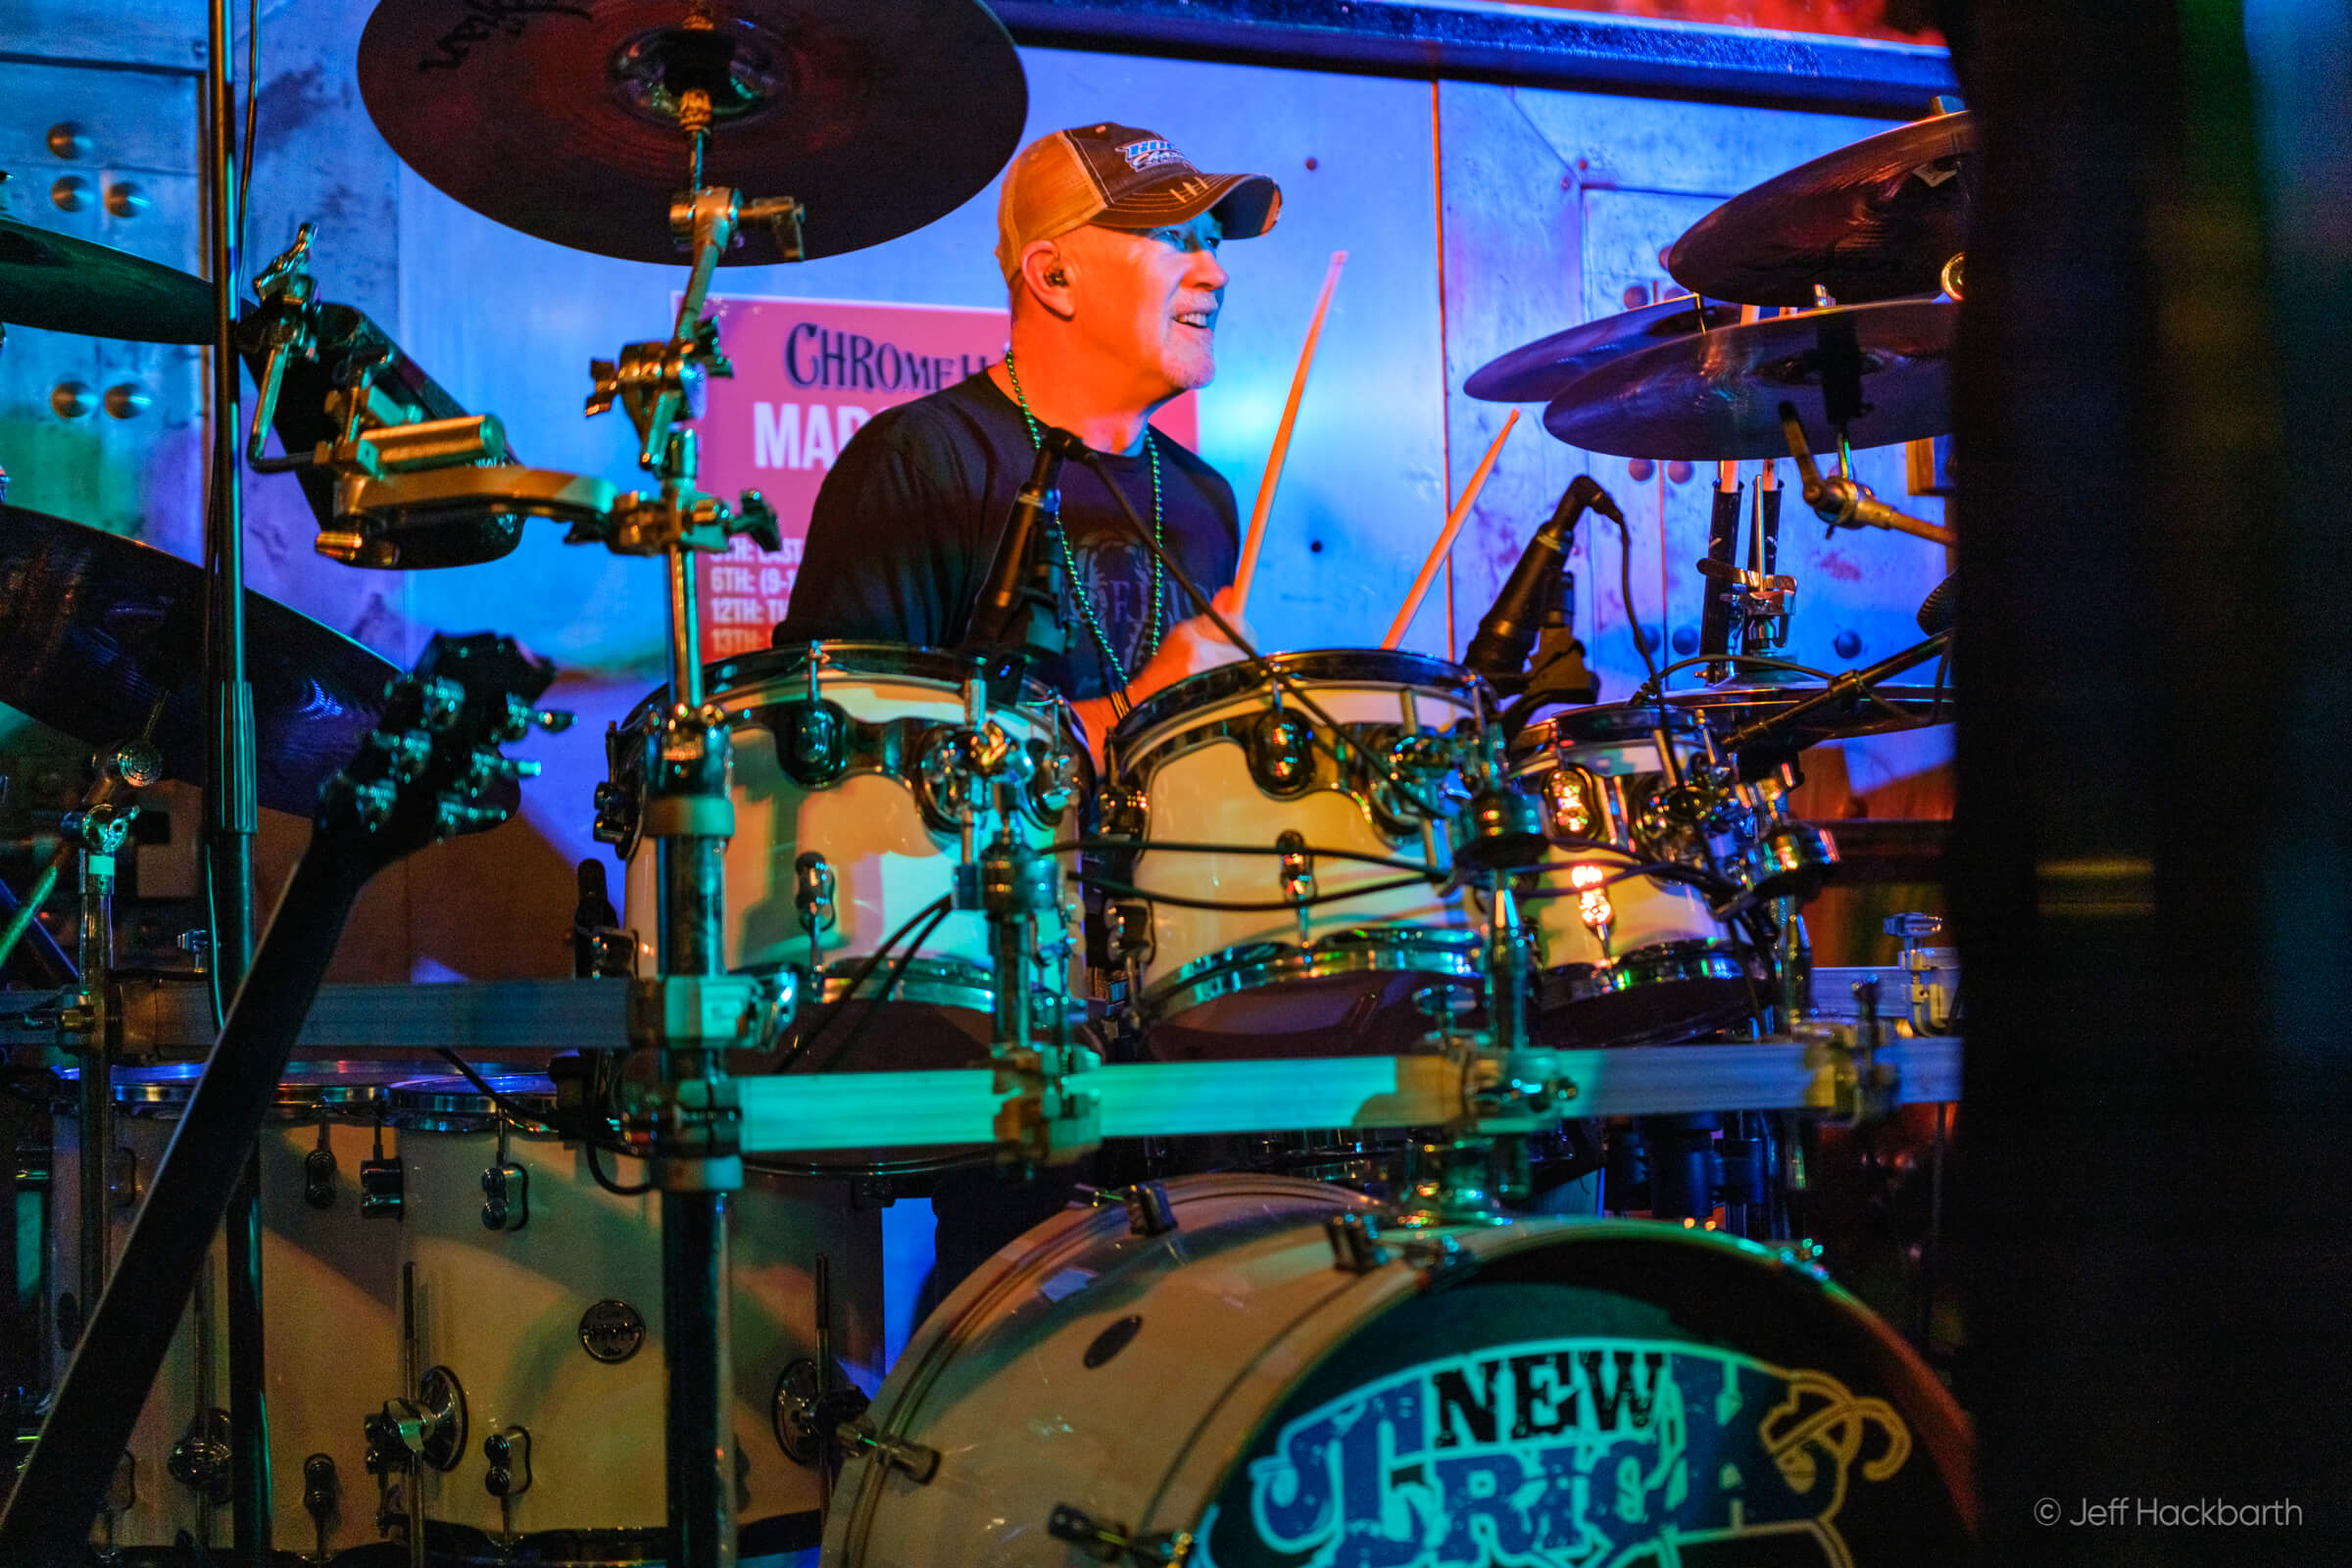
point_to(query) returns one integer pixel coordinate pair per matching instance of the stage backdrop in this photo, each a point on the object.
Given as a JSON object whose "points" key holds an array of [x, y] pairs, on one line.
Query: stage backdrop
{"points": [[807, 374]]}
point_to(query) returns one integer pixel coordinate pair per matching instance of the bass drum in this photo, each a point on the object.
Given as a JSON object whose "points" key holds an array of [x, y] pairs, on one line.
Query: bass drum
{"points": [[1594, 1393]]}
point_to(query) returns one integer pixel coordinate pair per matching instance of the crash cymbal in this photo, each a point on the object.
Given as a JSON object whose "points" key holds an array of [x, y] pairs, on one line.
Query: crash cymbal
{"points": [[1718, 395], [1537, 371], [1876, 221], [95, 629], [70, 285], [878, 115]]}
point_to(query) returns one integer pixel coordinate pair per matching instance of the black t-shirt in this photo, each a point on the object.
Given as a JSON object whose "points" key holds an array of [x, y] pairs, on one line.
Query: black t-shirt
{"points": [[905, 527]]}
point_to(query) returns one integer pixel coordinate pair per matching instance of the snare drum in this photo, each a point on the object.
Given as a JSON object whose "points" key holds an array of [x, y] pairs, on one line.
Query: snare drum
{"points": [[849, 814], [1637, 960], [1585, 1392], [327, 1277], [549, 1321], [1227, 757]]}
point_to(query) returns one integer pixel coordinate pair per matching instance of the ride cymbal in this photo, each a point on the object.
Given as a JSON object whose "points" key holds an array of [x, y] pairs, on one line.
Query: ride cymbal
{"points": [[1539, 372], [96, 629], [1875, 220], [1716, 396], [877, 115], [72, 285]]}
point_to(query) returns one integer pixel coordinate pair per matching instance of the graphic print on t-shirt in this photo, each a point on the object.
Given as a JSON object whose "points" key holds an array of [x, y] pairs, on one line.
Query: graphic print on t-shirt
{"points": [[1117, 573]]}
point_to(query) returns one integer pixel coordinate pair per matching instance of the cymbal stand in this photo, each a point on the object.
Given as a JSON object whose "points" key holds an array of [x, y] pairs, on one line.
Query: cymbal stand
{"points": [[689, 1118], [1843, 501]]}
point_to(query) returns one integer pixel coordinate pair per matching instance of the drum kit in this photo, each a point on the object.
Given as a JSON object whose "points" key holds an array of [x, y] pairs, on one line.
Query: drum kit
{"points": [[1358, 912]]}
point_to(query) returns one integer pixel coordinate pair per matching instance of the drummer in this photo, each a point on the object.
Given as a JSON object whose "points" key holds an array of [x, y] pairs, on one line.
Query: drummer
{"points": [[1107, 239]]}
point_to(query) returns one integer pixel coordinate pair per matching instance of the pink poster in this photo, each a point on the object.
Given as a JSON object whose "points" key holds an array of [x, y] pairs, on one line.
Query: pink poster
{"points": [[807, 374]]}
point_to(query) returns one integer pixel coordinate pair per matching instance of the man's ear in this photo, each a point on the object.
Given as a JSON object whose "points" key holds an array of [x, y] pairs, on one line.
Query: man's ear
{"points": [[1047, 272]]}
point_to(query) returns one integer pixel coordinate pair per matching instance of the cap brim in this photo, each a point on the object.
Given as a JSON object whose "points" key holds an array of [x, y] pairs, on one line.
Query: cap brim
{"points": [[1246, 205]]}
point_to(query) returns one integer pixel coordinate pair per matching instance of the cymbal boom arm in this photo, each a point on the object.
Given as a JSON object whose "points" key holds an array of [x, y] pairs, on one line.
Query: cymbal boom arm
{"points": [[1844, 502]]}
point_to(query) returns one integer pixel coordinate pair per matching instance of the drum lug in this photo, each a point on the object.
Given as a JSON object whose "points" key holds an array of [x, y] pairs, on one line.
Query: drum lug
{"points": [[506, 1197], [916, 1462], [321, 1495], [1282, 754], [1355, 1246], [319, 1172], [1126, 813], [199, 1460], [812, 740], [508, 1453], [1442, 1260], [381, 1182], [1105, 1542], [1149, 1212]]}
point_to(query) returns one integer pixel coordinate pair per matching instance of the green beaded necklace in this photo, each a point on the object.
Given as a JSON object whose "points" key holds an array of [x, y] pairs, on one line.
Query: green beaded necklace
{"points": [[1069, 561]]}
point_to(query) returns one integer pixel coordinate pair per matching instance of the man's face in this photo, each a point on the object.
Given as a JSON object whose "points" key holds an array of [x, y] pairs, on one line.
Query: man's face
{"points": [[1151, 298]]}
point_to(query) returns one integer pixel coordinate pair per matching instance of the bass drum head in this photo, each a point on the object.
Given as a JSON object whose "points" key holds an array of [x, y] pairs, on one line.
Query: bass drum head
{"points": [[1605, 1394]]}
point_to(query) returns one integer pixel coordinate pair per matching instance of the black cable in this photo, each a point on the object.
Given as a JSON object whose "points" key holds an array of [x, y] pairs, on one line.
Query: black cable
{"points": [[253, 71], [1624, 585], [864, 973], [890, 983], [1129, 891], [609, 1184]]}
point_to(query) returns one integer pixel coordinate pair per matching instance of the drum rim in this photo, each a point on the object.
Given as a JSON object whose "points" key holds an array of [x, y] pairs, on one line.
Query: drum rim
{"points": [[1385, 666], [1440, 953], [723, 677], [342, 1087], [449, 1101], [1662, 964]]}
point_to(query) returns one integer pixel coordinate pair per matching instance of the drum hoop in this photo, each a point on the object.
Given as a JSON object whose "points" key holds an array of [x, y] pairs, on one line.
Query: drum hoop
{"points": [[339, 1089], [1606, 723], [1367, 950], [453, 1105], [723, 677], [1383, 666]]}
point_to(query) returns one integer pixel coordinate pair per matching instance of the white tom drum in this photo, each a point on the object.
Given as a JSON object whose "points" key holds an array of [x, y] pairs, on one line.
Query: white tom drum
{"points": [[1230, 758], [1244, 1390], [1626, 959], [550, 1320], [848, 812]]}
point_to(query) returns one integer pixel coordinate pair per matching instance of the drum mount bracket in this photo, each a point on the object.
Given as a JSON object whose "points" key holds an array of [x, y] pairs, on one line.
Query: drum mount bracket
{"points": [[1106, 1541]]}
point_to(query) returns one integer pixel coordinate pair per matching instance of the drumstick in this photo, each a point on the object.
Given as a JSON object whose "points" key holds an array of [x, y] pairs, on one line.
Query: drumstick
{"points": [[1453, 525], [1282, 442]]}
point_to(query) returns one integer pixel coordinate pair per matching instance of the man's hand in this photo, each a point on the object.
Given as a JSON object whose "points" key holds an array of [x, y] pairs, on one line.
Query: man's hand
{"points": [[1190, 647]]}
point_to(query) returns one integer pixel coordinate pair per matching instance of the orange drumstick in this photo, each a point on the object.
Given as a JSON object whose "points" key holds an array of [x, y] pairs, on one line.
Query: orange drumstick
{"points": [[1453, 525], [1257, 535]]}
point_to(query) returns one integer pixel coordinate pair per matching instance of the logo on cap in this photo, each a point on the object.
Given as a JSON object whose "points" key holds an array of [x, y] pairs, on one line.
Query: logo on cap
{"points": [[1143, 154]]}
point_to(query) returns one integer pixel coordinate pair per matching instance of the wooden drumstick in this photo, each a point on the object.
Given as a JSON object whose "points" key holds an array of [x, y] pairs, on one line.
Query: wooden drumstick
{"points": [[1257, 535], [1453, 525]]}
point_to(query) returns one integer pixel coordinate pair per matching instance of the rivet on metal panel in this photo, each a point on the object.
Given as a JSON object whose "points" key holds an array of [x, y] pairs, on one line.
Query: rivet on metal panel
{"points": [[67, 139], [1848, 643], [71, 193], [128, 400], [1636, 296], [72, 400], [125, 199], [1640, 470], [1678, 473]]}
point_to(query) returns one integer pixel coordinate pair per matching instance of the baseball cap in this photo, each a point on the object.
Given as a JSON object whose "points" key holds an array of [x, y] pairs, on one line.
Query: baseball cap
{"points": [[1122, 178]]}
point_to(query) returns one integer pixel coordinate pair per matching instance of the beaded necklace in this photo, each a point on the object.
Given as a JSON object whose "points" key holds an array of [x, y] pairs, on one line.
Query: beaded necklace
{"points": [[1069, 561]]}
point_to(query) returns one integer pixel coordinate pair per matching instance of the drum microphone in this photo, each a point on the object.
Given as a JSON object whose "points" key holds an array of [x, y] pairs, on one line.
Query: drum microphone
{"points": [[1020, 606], [1507, 634]]}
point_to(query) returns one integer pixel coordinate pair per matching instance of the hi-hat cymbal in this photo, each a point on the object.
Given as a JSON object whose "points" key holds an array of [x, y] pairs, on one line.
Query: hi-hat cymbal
{"points": [[1718, 395], [1876, 221], [878, 115], [72, 285], [1539, 372], [95, 629]]}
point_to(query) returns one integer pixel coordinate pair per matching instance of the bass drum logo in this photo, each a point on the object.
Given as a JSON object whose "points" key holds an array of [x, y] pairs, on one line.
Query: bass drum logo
{"points": [[1587, 1453]]}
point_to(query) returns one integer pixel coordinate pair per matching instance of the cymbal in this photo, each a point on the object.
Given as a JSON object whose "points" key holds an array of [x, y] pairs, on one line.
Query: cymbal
{"points": [[95, 629], [1875, 220], [72, 285], [1729, 708], [1718, 395], [1537, 371], [878, 115]]}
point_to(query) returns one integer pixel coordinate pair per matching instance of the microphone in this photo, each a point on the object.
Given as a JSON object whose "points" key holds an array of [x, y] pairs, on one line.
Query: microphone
{"points": [[1507, 633], [1941, 609], [1020, 602]]}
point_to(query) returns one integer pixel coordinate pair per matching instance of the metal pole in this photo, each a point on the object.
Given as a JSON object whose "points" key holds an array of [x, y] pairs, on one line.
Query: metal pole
{"points": [[96, 955], [231, 788], [691, 792]]}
